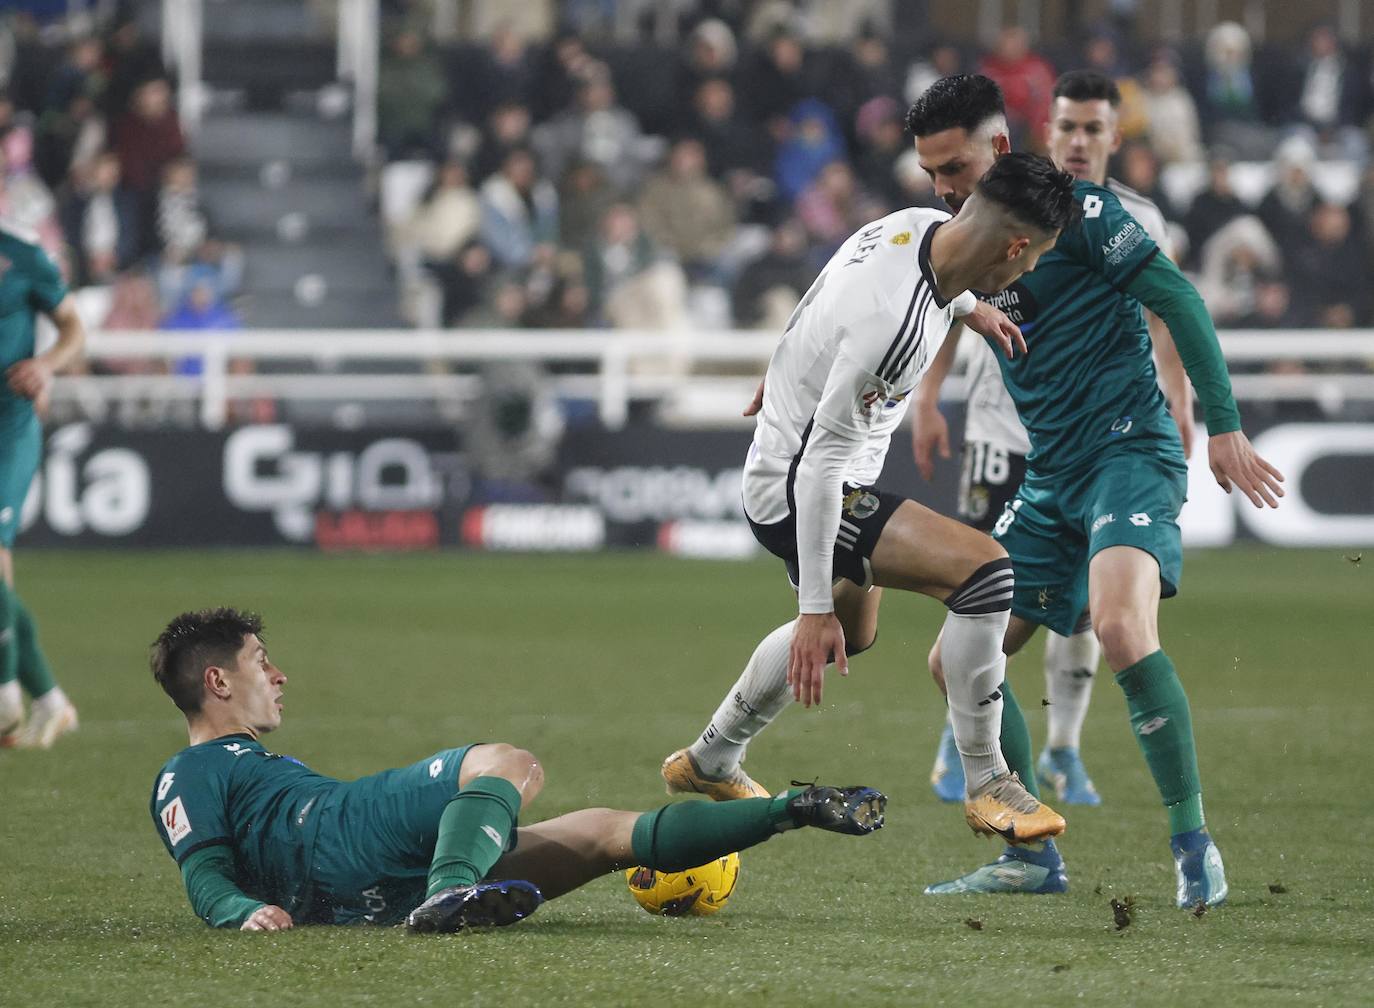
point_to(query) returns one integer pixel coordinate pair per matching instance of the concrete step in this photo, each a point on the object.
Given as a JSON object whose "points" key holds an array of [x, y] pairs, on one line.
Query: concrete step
{"points": [[356, 266], [254, 138]]}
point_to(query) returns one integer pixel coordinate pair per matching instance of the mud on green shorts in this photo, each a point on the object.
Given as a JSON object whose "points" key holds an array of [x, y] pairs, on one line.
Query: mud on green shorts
{"points": [[21, 447], [1054, 526], [376, 840]]}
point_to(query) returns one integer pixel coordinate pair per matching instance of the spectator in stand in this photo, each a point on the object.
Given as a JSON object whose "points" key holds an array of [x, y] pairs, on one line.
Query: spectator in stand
{"points": [[146, 137], [507, 308], [519, 213], [712, 54], [566, 307], [769, 288], [68, 140], [1139, 169], [1273, 307], [101, 221], [1330, 285], [1027, 81], [1103, 54], [1216, 206], [82, 72], [630, 283], [182, 224], [564, 69], [130, 59], [505, 73], [813, 141], [731, 143], [1228, 102], [1286, 209], [1330, 95], [778, 80], [942, 61], [25, 202], [508, 127], [463, 280], [447, 218], [411, 92], [687, 212], [882, 140], [833, 208], [1235, 260], [584, 198], [1173, 123], [597, 129], [865, 72]]}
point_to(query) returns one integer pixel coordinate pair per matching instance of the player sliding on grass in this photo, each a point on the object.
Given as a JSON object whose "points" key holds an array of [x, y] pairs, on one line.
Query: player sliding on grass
{"points": [[1094, 525], [835, 390], [265, 843]]}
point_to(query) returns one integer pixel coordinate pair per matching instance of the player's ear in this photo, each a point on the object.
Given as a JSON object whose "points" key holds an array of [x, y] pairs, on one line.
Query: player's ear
{"points": [[1017, 248], [216, 682], [1001, 144]]}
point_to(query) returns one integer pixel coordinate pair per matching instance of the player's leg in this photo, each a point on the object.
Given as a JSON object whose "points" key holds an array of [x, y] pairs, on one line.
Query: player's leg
{"points": [[11, 699], [1070, 665], [571, 850], [920, 550], [711, 765]]}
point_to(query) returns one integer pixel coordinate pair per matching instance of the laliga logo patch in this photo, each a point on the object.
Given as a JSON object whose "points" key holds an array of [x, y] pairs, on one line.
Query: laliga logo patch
{"points": [[175, 821], [860, 504]]}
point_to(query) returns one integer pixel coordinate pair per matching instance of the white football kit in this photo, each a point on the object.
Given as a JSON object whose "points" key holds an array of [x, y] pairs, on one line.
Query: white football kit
{"points": [[991, 415], [837, 385]]}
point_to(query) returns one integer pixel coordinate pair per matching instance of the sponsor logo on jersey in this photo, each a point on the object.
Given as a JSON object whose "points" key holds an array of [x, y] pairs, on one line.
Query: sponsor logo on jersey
{"points": [[1123, 243], [1140, 518], [860, 503], [1016, 302], [1103, 520], [901, 238], [1122, 425], [175, 821], [436, 768]]}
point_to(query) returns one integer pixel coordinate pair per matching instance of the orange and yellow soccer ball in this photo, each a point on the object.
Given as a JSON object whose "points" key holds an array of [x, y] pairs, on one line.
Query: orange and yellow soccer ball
{"points": [[697, 891]]}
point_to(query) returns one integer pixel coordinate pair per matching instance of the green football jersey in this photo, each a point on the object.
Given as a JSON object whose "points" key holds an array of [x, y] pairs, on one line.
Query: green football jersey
{"points": [[29, 283], [262, 805], [1088, 382]]}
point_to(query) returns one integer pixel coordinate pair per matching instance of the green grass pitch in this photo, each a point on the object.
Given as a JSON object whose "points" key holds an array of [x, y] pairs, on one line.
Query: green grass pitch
{"points": [[601, 665]]}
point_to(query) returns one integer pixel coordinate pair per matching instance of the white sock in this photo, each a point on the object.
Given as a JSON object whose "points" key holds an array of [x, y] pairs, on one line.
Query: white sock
{"points": [[753, 702], [1070, 664], [971, 653], [11, 704], [51, 701]]}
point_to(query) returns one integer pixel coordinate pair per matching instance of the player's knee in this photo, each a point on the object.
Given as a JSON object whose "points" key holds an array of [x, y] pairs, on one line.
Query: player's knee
{"points": [[859, 643], [1124, 640], [501, 759], [988, 587]]}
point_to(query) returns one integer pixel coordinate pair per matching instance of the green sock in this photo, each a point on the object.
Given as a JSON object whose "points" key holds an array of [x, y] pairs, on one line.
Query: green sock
{"points": [[473, 832], [1163, 726], [9, 638], [690, 833], [1016, 741], [34, 674]]}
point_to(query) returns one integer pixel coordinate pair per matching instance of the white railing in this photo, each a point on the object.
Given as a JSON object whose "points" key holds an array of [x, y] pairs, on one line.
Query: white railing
{"points": [[358, 63], [621, 366], [183, 34]]}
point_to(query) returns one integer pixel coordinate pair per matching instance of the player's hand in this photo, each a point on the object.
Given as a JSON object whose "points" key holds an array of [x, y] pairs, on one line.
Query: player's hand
{"points": [[268, 918], [757, 404], [30, 378], [1183, 417], [815, 638], [992, 324], [929, 434], [1234, 463]]}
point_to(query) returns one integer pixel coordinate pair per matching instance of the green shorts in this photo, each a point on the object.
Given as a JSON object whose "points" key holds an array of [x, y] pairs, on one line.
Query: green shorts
{"points": [[20, 450], [376, 840], [1053, 527]]}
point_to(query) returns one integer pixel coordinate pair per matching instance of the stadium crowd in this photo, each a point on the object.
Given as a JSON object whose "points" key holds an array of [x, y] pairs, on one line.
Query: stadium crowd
{"points": [[545, 170]]}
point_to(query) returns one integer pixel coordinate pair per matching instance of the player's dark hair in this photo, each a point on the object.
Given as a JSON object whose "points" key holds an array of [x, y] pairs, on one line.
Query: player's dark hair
{"points": [[1033, 190], [964, 101], [1087, 85], [191, 643]]}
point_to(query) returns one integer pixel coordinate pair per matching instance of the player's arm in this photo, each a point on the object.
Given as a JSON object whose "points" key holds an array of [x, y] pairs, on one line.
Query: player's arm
{"points": [[32, 377], [208, 874], [1160, 286], [1173, 379]]}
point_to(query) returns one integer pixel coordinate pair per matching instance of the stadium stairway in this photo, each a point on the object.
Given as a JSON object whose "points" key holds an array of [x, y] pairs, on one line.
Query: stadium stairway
{"points": [[278, 176]]}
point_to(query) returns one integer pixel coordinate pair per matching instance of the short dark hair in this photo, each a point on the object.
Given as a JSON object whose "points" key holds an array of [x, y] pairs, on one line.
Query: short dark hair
{"points": [[191, 643], [963, 101], [1033, 190], [1087, 85]]}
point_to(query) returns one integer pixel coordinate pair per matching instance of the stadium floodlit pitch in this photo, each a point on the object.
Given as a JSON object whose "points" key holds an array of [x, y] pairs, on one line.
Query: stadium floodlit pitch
{"points": [[602, 664]]}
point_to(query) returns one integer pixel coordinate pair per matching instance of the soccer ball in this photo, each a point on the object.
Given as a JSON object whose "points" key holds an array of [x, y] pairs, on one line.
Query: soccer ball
{"points": [[696, 891]]}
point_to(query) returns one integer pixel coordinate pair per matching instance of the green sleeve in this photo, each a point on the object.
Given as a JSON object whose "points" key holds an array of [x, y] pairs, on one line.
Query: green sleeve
{"points": [[1160, 287], [209, 877]]}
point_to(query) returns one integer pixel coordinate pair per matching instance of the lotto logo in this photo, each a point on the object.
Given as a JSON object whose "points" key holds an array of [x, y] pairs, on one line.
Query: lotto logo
{"points": [[1140, 518], [1153, 725], [436, 768]]}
